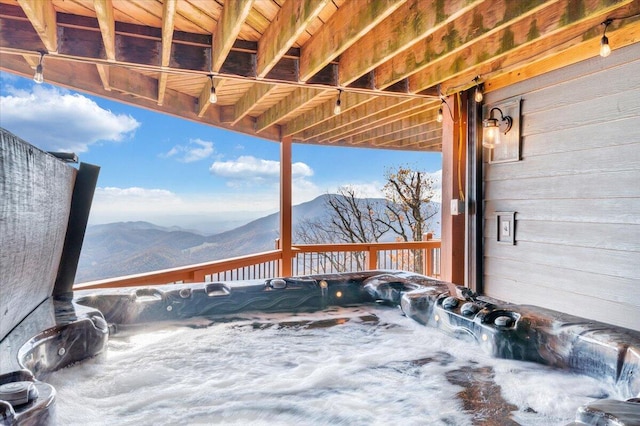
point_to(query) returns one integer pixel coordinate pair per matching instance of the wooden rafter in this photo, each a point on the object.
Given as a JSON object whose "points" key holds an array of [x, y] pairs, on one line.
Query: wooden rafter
{"points": [[410, 23], [292, 19], [515, 44], [104, 14], [351, 22], [325, 112], [42, 16], [249, 100], [168, 15], [233, 16], [419, 119], [372, 121], [286, 107], [470, 27], [103, 72], [350, 119]]}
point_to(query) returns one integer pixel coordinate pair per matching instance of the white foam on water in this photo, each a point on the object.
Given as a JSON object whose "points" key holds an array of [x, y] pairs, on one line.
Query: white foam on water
{"points": [[264, 370]]}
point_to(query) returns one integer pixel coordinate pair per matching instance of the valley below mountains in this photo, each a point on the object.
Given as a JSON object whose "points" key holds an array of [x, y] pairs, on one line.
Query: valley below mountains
{"points": [[125, 248]]}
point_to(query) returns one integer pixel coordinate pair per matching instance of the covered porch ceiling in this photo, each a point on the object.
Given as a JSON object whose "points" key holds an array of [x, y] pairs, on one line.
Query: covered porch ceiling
{"points": [[278, 66]]}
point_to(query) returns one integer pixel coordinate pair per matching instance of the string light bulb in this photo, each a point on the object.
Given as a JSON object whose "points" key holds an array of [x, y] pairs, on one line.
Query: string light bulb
{"points": [[213, 97], [478, 95], [605, 49], [338, 109], [440, 116], [38, 77]]}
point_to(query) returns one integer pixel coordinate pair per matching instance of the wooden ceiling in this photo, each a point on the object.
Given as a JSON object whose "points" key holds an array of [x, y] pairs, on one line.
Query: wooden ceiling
{"points": [[278, 66]]}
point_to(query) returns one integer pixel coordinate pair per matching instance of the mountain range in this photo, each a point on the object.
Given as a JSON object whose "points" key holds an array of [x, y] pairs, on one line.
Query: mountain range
{"points": [[124, 248]]}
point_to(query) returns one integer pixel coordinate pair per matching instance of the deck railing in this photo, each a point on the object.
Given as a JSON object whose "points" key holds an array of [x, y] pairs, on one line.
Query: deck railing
{"points": [[416, 256]]}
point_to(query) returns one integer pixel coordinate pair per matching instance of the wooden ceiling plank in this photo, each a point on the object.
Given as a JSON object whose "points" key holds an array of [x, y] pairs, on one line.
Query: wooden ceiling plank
{"points": [[469, 27], [107, 24], [350, 23], [324, 112], [403, 138], [42, 16], [410, 23], [372, 121], [250, 99], [291, 21], [519, 42], [233, 16], [298, 99], [103, 71], [404, 124], [350, 118], [168, 17]]}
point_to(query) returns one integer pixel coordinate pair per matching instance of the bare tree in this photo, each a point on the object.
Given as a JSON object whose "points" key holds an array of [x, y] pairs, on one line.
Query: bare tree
{"points": [[406, 212]]}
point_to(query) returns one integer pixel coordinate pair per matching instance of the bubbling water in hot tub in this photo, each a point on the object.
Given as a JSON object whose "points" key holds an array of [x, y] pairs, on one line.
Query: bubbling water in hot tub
{"points": [[355, 366]]}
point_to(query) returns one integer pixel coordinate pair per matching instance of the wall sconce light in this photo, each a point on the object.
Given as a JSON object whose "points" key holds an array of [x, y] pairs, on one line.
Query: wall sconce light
{"points": [[338, 109], [605, 49], [38, 77], [491, 128], [213, 97]]}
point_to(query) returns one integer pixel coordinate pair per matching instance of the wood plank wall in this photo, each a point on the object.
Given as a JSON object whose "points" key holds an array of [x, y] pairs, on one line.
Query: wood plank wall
{"points": [[576, 192]]}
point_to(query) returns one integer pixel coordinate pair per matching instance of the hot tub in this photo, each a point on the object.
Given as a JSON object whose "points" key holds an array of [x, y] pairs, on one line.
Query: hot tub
{"points": [[64, 331]]}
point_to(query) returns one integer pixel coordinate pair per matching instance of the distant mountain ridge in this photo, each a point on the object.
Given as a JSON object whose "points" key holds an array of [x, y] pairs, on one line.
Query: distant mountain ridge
{"points": [[124, 248]]}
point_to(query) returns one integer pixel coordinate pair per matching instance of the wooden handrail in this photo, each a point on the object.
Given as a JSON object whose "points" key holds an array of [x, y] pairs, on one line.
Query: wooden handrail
{"points": [[198, 272]]}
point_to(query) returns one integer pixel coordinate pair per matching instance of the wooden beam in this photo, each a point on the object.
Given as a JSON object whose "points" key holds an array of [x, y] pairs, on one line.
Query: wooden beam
{"points": [[32, 60], [103, 71], [351, 22], [133, 83], [104, 13], [249, 100], [452, 230], [415, 136], [286, 107], [42, 16], [203, 99], [292, 20], [168, 15], [456, 36], [233, 16], [286, 206], [411, 22], [324, 112], [547, 31]]}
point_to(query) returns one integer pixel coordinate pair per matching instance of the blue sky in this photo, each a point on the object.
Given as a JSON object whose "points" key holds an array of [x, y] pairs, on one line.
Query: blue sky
{"points": [[171, 171]]}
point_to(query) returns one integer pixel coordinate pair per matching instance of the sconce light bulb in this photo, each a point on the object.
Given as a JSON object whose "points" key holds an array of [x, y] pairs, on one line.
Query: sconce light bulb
{"points": [[605, 49], [478, 96], [490, 133], [440, 116]]}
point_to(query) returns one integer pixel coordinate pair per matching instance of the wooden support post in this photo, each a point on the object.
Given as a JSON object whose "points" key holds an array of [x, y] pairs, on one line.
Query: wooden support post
{"points": [[285, 205], [373, 258], [428, 256], [453, 178]]}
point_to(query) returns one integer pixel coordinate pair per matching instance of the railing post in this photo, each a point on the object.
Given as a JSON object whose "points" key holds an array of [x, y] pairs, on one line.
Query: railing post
{"points": [[197, 276], [373, 258], [428, 256]]}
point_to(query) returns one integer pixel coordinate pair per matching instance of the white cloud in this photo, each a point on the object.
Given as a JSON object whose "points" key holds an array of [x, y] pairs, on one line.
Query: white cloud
{"points": [[163, 207], [56, 120], [250, 169], [195, 150]]}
